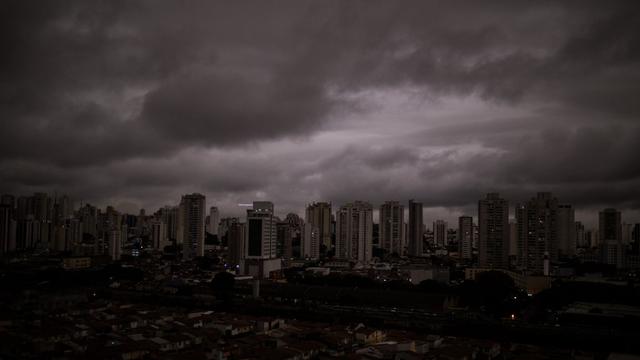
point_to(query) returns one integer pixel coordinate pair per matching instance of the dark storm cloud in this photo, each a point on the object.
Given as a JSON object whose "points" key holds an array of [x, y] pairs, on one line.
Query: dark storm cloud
{"points": [[222, 110], [371, 157], [127, 100]]}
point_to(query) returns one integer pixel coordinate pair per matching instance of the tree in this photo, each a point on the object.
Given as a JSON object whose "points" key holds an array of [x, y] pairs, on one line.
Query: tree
{"points": [[222, 286], [432, 286], [496, 284], [492, 290]]}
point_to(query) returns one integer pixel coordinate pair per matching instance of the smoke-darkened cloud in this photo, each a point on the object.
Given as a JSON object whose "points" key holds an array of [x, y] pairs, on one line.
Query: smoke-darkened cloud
{"points": [[299, 101]]}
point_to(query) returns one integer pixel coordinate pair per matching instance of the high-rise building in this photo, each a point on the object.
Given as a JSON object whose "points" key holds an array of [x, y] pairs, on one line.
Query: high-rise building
{"points": [[7, 199], [354, 230], [236, 242], [513, 238], [465, 237], [416, 229], [7, 229], [223, 228], [141, 223], [42, 206], [311, 245], [62, 209], [290, 237], [610, 228], [375, 237], [26, 230], [89, 219], [627, 229], [214, 220], [319, 215], [24, 207], [73, 232], [124, 236], [493, 226], [610, 238], [261, 235], [635, 237], [114, 241], [612, 253], [192, 209], [392, 227], [537, 233], [34, 216], [440, 233], [566, 231], [581, 235], [59, 238], [159, 238], [169, 216], [592, 238], [283, 241], [452, 237]]}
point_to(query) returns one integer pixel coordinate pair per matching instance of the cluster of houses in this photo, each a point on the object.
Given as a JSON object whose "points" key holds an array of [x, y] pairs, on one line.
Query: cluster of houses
{"points": [[112, 330]]}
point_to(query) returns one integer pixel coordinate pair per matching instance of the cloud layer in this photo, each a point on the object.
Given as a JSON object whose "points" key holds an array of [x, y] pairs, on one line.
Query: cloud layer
{"points": [[136, 103]]}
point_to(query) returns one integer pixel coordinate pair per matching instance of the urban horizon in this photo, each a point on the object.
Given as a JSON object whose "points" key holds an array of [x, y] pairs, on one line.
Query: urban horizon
{"points": [[588, 216]]}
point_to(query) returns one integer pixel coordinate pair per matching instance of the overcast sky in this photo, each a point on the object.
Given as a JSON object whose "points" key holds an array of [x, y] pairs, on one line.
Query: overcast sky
{"points": [[135, 103]]}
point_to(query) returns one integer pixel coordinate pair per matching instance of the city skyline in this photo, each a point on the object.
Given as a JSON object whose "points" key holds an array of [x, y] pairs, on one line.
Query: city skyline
{"points": [[71, 207], [330, 101], [544, 233]]}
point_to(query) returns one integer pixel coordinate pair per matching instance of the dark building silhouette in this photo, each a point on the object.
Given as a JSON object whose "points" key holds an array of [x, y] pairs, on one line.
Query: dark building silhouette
{"points": [[319, 215], [392, 227], [537, 233], [415, 229], [493, 226], [465, 237]]}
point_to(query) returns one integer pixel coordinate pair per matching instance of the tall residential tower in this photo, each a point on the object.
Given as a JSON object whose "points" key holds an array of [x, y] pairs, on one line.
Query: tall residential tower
{"points": [[392, 227], [192, 216], [415, 229], [493, 227], [354, 230]]}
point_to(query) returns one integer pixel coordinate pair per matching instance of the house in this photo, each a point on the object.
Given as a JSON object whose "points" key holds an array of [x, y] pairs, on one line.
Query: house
{"points": [[366, 335], [307, 349], [233, 327]]}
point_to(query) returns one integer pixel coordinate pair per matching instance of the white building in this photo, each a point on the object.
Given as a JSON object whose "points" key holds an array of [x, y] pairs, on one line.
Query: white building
{"points": [[261, 235]]}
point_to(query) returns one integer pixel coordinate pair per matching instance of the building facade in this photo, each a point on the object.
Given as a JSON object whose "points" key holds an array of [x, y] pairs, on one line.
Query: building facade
{"points": [[192, 211], [537, 233], [566, 231], [440, 230], [319, 215], [415, 228], [392, 233], [354, 232], [465, 237], [261, 234]]}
